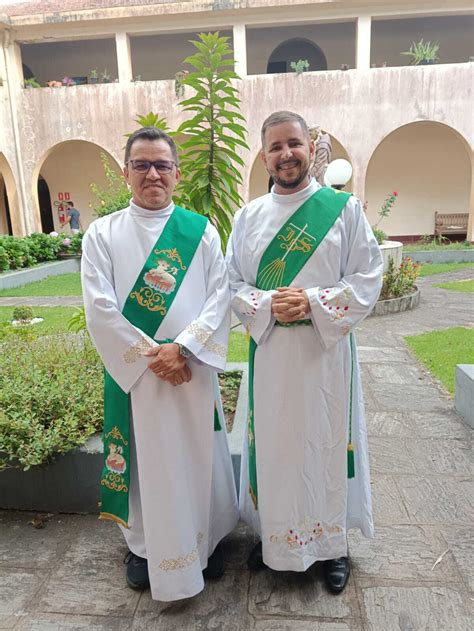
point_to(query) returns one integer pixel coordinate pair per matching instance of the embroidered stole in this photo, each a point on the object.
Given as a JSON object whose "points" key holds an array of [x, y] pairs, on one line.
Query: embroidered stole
{"points": [[145, 307], [285, 256]]}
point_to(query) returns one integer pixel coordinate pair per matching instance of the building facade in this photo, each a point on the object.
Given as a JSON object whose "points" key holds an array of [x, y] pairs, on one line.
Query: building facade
{"points": [[404, 128]]}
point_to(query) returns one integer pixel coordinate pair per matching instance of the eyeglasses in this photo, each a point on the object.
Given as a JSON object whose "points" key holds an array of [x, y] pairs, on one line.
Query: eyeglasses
{"points": [[143, 166]]}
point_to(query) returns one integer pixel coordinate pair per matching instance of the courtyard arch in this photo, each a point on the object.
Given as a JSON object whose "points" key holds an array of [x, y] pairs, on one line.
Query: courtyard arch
{"points": [[65, 173], [428, 164], [10, 220], [293, 50]]}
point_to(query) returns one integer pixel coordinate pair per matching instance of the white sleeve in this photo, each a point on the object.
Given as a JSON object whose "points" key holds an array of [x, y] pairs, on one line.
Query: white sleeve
{"points": [[338, 309], [252, 306], [207, 336], [119, 343]]}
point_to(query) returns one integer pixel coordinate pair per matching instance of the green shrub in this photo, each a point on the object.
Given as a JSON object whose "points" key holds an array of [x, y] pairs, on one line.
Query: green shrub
{"points": [[115, 196], [401, 281], [18, 252], [23, 312], [4, 261], [50, 397], [43, 247]]}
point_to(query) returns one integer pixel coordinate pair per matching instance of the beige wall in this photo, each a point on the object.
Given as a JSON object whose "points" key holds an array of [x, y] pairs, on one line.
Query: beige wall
{"points": [[429, 166], [455, 34], [71, 167], [337, 41], [55, 60], [161, 56]]}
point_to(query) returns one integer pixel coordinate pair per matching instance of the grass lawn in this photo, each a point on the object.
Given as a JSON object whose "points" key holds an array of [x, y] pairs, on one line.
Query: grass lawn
{"points": [[55, 318], [440, 351], [63, 285], [459, 285], [422, 247], [429, 269]]}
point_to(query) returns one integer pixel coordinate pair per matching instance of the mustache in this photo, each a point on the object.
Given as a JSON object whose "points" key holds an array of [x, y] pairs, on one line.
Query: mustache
{"points": [[288, 163]]}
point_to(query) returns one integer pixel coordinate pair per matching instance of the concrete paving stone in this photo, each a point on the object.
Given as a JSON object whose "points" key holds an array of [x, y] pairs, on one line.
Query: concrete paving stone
{"points": [[402, 553], [18, 588], [61, 622], [237, 546], [437, 499], [92, 575], [396, 373], [306, 625], [421, 398], [374, 355], [419, 425], [299, 594], [461, 544], [221, 605], [390, 456], [431, 608], [387, 503], [441, 456], [23, 546]]}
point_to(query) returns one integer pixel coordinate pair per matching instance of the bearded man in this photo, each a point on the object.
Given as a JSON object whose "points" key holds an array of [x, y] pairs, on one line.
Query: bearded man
{"points": [[304, 270]]}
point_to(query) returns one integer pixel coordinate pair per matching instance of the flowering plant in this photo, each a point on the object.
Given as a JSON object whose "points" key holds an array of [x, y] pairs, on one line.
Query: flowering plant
{"points": [[399, 282], [387, 206]]}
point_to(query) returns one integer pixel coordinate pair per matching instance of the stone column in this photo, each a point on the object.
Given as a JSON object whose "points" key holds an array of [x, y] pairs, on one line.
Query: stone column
{"points": [[364, 27], [24, 216], [470, 221], [124, 57], [240, 49]]}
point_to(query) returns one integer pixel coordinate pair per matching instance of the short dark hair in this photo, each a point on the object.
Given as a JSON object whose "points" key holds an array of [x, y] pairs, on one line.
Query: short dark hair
{"points": [[70, 204], [283, 116], [150, 133]]}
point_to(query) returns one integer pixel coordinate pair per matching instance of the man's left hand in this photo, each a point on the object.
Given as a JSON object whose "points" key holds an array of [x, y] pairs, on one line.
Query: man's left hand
{"points": [[290, 304], [166, 361]]}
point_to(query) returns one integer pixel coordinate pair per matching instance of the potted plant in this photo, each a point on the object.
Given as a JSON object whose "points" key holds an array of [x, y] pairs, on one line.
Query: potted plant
{"points": [[422, 53], [94, 76], [68, 82], [300, 66], [32, 83], [105, 77], [54, 84]]}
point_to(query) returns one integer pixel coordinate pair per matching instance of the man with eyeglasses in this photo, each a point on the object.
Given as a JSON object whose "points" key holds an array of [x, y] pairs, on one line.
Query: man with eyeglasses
{"points": [[157, 306]]}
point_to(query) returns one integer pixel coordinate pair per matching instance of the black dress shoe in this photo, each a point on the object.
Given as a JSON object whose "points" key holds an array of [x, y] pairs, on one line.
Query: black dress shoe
{"points": [[255, 560], [336, 574], [215, 564], [137, 571]]}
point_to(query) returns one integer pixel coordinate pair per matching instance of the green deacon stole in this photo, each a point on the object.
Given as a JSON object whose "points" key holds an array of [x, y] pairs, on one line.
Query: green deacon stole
{"points": [[285, 256], [145, 307]]}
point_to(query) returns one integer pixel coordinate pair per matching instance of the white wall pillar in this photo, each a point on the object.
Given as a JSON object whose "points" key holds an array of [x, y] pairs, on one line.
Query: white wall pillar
{"points": [[364, 28], [470, 222], [124, 57], [240, 49]]}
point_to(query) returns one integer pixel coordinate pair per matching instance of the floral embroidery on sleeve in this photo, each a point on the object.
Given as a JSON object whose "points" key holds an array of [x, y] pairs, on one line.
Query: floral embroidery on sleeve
{"points": [[336, 301], [136, 350], [203, 337], [247, 306]]}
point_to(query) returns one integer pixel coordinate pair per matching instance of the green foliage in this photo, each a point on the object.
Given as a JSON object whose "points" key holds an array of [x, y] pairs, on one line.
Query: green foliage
{"points": [[17, 251], [77, 322], [43, 247], [55, 320], [399, 282], [422, 52], [115, 196], [440, 351], [50, 397], [380, 235], [238, 347], [23, 312], [62, 285], [4, 260], [387, 206], [300, 66], [428, 242], [151, 120], [209, 160], [32, 83]]}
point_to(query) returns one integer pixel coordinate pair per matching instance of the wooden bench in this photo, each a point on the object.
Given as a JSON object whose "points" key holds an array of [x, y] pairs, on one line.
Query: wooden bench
{"points": [[454, 223]]}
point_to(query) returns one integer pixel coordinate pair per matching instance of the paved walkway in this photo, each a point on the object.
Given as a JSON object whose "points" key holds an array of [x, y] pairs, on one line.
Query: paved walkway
{"points": [[417, 574]]}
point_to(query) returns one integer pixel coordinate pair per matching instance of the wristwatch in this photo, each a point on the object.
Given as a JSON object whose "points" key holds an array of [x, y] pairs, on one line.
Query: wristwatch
{"points": [[183, 351]]}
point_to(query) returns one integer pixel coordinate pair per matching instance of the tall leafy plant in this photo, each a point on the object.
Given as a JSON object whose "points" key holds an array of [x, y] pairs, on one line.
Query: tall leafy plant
{"points": [[209, 156]]}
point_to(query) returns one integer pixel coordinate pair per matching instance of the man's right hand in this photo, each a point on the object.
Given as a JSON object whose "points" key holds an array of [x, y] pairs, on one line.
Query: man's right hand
{"points": [[183, 375]]}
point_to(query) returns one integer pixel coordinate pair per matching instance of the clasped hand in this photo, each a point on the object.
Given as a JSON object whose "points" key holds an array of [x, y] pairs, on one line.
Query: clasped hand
{"points": [[290, 304], [168, 364]]}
